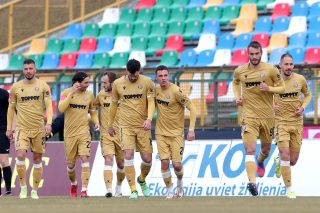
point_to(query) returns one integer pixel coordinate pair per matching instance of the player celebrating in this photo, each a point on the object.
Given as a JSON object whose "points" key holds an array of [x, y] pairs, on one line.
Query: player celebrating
{"points": [[136, 95], [27, 98], [110, 146], [254, 85], [289, 108], [171, 102], [76, 102]]}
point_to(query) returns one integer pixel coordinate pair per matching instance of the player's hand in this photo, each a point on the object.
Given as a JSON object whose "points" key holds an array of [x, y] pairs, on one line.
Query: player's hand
{"points": [[96, 127], [47, 129], [147, 125], [75, 87], [276, 108], [111, 131], [191, 135], [9, 134], [264, 87], [239, 101], [299, 111]]}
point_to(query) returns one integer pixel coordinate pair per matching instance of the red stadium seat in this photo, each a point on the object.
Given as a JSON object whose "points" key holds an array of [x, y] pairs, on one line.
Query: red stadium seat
{"points": [[222, 90], [282, 9], [88, 45], [262, 38], [145, 4], [174, 42], [239, 56], [312, 56], [68, 60]]}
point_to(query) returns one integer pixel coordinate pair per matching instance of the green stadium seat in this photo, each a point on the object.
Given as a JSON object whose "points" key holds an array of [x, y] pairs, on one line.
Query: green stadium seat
{"points": [[101, 60], [161, 14], [141, 29], [125, 29], [119, 60], [144, 15], [214, 12], [178, 14], [38, 59], [155, 43], [192, 28], [169, 58], [158, 29], [71, 45], [262, 4], [91, 30], [179, 3], [163, 3], [54, 46], [230, 12], [16, 62], [176, 28], [248, 2], [195, 14], [109, 30], [128, 15], [139, 43]]}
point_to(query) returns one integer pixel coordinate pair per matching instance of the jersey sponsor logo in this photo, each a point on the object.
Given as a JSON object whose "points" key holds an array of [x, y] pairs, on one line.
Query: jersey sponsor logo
{"points": [[289, 94], [165, 103], [133, 96], [106, 104], [30, 98], [77, 106], [252, 84]]}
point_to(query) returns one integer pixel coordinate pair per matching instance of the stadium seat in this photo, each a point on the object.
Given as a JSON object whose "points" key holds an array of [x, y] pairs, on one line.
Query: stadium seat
{"points": [[109, 30], [211, 3], [158, 29], [222, 90], [297, 40], [4, 61], [16, 62], [247, 11], [91, 30], [68, 60], [282, 9], [243, 41], [50, 61], [222, 57], [196, 3], [192, 29], [38, 59], [145, 4], [313, 40], [206, 42], [188, 58], [213, 12], [297, 24], [122, 44], [101, 60], [229, 96], [276, 54], [300, 9], [264, 56], [169, 58], [314, 24], [196, 85], [209, 27], [314, 10], [119, 60], [37, 46], [243, 2], [140, 56], [179, 3], [311, 2], [262, 4], [105, 44], [88, 45], [239, 56], [84, 61], [277, 40], [128, 15], [205, 58], [263, 25], [125, 29], [139, 43], [54, 45], [161, 14], [281, 24], [312, 56], [230, 2], [230, 12], [144, 15], [176, 28], [226, 41], [71, 45], [243, 25], [195, 14], [155, 43], [262, 38], [274, 3], [297, 55], [110, 16], [163, 3], [178, 14], [174, 42], [73, 31]]}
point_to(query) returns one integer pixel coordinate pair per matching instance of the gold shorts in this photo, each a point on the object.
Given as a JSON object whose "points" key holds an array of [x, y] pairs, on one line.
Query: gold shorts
{"points": [[252, 128], [77, 146], [289, 136], [170, 147], [136, 138], [34, 138], [111, 146]]}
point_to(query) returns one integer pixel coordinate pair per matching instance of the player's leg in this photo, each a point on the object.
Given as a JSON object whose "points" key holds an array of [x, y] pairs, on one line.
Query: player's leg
{"points": [[70, 147], [177, 148], [4, 161], [120, 169], [107, 148], [84, 147]]}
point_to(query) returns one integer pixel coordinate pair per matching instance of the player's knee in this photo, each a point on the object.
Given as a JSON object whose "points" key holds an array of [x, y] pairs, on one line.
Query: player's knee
{"points": [[109, 160], [120, 164], [177, 166], [165, 164], [293, 162]]}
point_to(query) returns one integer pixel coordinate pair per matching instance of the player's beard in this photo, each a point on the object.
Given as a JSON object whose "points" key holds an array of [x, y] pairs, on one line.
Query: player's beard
{"points": [[257, 61], [285, 73], [29, 78], [108, 89]]}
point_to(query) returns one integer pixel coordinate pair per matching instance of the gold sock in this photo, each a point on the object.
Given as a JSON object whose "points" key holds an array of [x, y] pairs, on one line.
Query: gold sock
{"points": [[130, 174], [179, 174], [145, 169], [21, 170], [262, 157], [251, 169], [85, 174], [37, 175], [166, 175], [108, 176], [286, 175], [72, 174], [120, 176]]}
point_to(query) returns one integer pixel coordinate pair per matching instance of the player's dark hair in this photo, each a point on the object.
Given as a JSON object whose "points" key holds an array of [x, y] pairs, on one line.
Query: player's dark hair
{"points": [[112, 76], [29, 61], [161, 67], [256, 45], [285, 55], [79, 77], [133, 66]]}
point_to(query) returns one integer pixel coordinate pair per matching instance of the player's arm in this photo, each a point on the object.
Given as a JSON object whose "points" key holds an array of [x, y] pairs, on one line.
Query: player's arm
{"points": [[236, 84], [113, 105], [10, 113], [278, 82], [307, 94], [48, 104], [151, 101], [94, 114], [96, 101], [65, 100]]}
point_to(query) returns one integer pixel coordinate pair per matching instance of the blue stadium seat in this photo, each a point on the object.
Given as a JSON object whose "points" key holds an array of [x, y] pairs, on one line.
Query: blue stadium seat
{"points": [[230, 2], [210, 27], [196, 3], [297, 55], [280, 24], [314, 10], [226, 41], [297, 40], [50, 61], [314, 24], [188, 58], [313, 40], [243, 41], [105, 44], [205, 58], [300, 9], [263, 25], [84, 60], [74, 31], [276, 54]]}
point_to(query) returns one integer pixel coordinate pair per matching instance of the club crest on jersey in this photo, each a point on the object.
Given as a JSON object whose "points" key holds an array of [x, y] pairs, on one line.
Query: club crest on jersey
{"points": [[262, 75], [36, 89], [85, 98], [168, 96], [140, 86], [296, 85]]}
